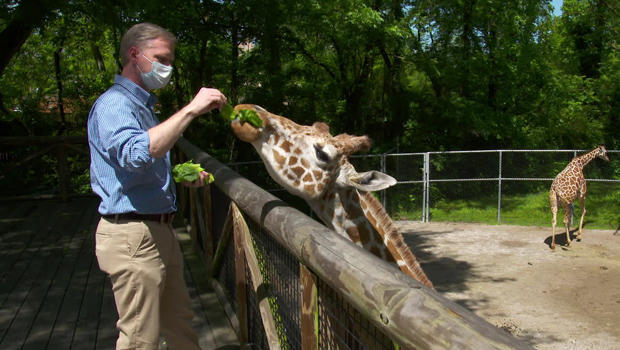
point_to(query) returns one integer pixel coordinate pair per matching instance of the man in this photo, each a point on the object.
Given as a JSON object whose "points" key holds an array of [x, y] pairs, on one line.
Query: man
{"points": [[130, 170]]}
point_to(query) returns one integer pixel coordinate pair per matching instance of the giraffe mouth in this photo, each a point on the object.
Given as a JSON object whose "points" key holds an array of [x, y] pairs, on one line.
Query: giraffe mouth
{"points": [[245, 131]]}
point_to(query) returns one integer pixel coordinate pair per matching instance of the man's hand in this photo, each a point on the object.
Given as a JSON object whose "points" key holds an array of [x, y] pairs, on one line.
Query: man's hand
{"points": [[200, 182], [206, 100]]}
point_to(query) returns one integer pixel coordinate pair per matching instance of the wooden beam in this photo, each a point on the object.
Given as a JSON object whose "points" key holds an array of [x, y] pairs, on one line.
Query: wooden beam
{"points": [[258, 286], [222, 244], [241, 292]]}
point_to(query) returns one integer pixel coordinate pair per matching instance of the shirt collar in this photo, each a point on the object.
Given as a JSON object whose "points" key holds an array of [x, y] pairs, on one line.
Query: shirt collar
{"points": [[147, 98]]}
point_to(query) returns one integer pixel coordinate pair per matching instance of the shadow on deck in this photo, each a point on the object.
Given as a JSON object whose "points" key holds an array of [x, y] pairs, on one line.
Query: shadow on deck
{"points": [[52, 293]]}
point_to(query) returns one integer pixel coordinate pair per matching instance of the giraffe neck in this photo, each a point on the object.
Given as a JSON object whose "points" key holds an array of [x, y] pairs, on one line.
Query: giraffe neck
{"points": [[581, 161], [359, 216]]}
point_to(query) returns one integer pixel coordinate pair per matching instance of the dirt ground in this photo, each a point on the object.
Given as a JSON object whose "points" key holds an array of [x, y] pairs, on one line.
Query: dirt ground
{"points": [[563, 299]]}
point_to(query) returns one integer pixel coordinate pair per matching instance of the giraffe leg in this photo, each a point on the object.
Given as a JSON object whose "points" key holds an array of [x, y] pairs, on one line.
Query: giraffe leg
{"points": [[582, 202], [567, 214], [553, 202]]}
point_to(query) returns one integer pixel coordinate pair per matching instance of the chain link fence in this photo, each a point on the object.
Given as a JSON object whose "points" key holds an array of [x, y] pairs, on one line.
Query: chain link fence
{"points": [[443, 183]]}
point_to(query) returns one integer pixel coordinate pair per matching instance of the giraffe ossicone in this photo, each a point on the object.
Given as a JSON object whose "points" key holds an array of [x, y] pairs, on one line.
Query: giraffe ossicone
{"points": [[569, 185], [312, 164]]}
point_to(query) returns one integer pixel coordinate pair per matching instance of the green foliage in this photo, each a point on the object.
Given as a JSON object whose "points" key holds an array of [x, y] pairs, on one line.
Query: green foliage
{"points": [[414, 76]]}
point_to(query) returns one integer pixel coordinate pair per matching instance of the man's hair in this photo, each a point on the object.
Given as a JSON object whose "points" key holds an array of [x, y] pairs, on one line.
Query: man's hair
{"points": [[139, 34]]}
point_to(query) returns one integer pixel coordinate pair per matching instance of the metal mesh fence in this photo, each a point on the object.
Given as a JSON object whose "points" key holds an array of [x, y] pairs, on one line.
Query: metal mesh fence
{"points": [[340, 325], [281, 279], [343, 327]]}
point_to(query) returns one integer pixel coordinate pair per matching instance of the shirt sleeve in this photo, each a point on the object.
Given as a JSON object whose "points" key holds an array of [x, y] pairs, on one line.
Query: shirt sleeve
{"points": [[120, 132]]}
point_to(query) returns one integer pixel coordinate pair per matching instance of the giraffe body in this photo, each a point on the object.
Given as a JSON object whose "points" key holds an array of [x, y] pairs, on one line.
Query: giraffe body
{"points": [[570, 185], [311, 163]]}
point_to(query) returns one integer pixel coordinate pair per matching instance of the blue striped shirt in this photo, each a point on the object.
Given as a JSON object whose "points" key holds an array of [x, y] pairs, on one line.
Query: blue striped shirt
{"points": [[122, 171]]}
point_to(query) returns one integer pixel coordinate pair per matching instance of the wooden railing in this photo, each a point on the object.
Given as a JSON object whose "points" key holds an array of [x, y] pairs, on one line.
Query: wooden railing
{"points": [[57, 147], [397, 308]]}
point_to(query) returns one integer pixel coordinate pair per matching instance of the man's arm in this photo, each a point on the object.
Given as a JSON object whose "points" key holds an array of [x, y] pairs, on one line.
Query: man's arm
{"points": [[164, 135]]}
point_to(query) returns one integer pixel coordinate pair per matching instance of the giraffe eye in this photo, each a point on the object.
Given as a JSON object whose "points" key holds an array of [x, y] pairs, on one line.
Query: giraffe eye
{"points": [[320, 155]]}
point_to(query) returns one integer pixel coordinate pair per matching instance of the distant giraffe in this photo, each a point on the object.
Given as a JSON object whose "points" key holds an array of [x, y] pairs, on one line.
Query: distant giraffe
{"points": [[569, 185], [311, 163]]}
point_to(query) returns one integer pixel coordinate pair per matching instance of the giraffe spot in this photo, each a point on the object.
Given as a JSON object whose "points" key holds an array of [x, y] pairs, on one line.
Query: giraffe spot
{"points": [[320, 187], [309, 189], [276, 139], [305, 163], [279, 158], [354, 234], [286, 146], [296, 183], [292, 161], [290, 176], [371, 219], [307, 178], [318, 175], [299, 171], [297, 151]]}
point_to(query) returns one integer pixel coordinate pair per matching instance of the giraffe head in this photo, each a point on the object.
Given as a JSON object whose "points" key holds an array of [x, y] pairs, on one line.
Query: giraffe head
{"points": [[307, 160], [602, 152]]}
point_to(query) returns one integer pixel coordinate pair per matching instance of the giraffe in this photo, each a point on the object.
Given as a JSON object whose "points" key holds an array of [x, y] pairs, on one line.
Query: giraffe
{"points": [[569, 185], [312, 164]]}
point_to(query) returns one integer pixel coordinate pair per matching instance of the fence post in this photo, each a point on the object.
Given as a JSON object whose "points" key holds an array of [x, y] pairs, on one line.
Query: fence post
{"points": [[240, 281], [309, 309], [383, 170], [499, 190], [426, 185]]}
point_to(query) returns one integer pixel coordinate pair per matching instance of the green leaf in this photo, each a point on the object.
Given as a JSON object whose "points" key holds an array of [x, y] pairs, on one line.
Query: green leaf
{"points": [[227, 112], [245, 115], [189, 172], [250, 116]]}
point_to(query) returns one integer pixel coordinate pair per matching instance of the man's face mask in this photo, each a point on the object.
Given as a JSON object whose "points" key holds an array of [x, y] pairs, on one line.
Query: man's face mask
{"points": [[158, 77]]}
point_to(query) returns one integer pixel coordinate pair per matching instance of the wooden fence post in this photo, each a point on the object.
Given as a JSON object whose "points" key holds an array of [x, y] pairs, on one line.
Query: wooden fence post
{"points": [[309, 309], [242, 312]]}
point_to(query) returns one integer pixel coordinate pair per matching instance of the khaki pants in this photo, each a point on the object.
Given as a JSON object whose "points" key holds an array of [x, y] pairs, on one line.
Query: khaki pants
{"points": [[145, 265]]}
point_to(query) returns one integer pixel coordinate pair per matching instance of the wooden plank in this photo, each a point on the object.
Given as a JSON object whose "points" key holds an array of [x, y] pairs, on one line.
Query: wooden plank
{"points": [[39, 261], [18, 244], [208, 214], [41, 140], [309, 309], [222, 245], [86, 327], [107, 332], [266, 313], [13, 232], [214, 328], [241, 295], [68, 314], [41, 329]]}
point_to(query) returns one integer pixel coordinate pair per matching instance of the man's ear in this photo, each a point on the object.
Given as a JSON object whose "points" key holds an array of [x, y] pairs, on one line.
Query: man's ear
{"points": [[371, 181], [134, 52]]}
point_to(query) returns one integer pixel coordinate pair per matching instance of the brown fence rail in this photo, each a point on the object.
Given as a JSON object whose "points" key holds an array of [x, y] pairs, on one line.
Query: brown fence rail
{"points": [[291, 283]]}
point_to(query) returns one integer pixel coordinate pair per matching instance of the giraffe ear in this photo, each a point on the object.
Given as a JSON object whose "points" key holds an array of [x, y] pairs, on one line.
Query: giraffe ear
{"points": [[322, 127], [371, 181]]}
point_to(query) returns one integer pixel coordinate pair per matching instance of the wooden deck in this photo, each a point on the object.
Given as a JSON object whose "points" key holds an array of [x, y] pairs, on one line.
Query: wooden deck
{"points": [[52, 293]]}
